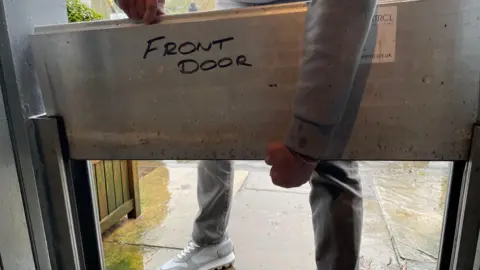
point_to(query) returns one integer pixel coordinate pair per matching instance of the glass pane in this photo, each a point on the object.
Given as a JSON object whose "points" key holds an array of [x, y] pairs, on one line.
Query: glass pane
{"points": [[271, 227]]}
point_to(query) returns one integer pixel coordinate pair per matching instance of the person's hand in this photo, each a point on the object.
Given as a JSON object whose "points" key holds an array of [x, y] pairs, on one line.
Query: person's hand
{"points": [[289, 169], [147, 10]]}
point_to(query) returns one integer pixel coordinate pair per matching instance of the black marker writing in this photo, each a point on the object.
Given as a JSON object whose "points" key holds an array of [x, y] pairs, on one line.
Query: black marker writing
{"points": [[149, 46], [225, 62], [242, 61], [221, 41], [190, 66], [188, 69], [185, 48], [169, 49], [208, 65], [199, 45]]}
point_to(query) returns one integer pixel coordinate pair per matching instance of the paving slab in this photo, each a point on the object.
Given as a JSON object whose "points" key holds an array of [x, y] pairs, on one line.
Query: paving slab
{"points": [[169, 205], [377, 251], [368, 186], [273, 230], [414, 265], [160, 257], [412, 197]]}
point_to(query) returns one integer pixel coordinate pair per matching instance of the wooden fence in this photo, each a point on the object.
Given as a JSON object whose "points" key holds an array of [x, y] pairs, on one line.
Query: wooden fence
{"points": [[117, 187]]}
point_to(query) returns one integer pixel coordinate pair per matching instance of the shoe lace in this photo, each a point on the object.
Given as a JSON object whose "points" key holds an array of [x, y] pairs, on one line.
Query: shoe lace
{"points": [[187, 250]]}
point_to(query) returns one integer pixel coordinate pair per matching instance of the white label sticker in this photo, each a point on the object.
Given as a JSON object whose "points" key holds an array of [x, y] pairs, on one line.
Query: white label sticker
{"points": [[380, 45]]}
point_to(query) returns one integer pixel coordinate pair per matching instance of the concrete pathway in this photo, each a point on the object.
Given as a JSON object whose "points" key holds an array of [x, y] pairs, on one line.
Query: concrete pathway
{"points": [[271, 227]]}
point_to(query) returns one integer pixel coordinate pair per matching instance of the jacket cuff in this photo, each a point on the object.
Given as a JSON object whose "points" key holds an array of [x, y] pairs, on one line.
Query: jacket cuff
{"points": [[308, 139]]}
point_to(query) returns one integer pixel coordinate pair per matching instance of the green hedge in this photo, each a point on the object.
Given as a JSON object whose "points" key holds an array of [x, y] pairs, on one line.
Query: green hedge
{"points": [[79, 12]]}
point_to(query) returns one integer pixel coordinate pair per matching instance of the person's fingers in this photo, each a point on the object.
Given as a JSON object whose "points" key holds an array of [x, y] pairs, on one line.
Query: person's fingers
{"points": [[268, 155], [278, 156], [286, 170], [151, 9], [268, 160], [161, 6], [140, 6], [125, 7], [288, 177], [284, 183], [159, 14], [273, 149], [274, 176], [132, 9]]}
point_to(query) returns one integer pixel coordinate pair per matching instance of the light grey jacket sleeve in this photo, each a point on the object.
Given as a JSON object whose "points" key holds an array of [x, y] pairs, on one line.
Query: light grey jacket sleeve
{"points": [[335, 34]]}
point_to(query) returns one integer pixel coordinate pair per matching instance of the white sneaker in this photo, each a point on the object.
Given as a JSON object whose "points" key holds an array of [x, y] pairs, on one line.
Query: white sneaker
{"points": [[195, 257]]}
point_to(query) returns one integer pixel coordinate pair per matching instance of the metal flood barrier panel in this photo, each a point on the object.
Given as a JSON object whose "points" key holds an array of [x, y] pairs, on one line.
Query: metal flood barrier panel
{"points": [[220, 85]]}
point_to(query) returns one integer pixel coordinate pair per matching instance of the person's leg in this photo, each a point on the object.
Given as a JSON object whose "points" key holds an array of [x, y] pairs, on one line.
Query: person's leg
{"points": [[210, 248], [337, 214], [210, 245], [214, 195]]}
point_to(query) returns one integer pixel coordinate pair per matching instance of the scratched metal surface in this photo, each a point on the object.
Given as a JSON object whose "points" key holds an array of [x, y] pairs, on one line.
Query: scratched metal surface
{"points": [[117, 105]]}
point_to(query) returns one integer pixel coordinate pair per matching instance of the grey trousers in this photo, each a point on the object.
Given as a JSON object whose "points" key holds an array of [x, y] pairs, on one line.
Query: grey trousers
{"points": [[335, 199]]}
